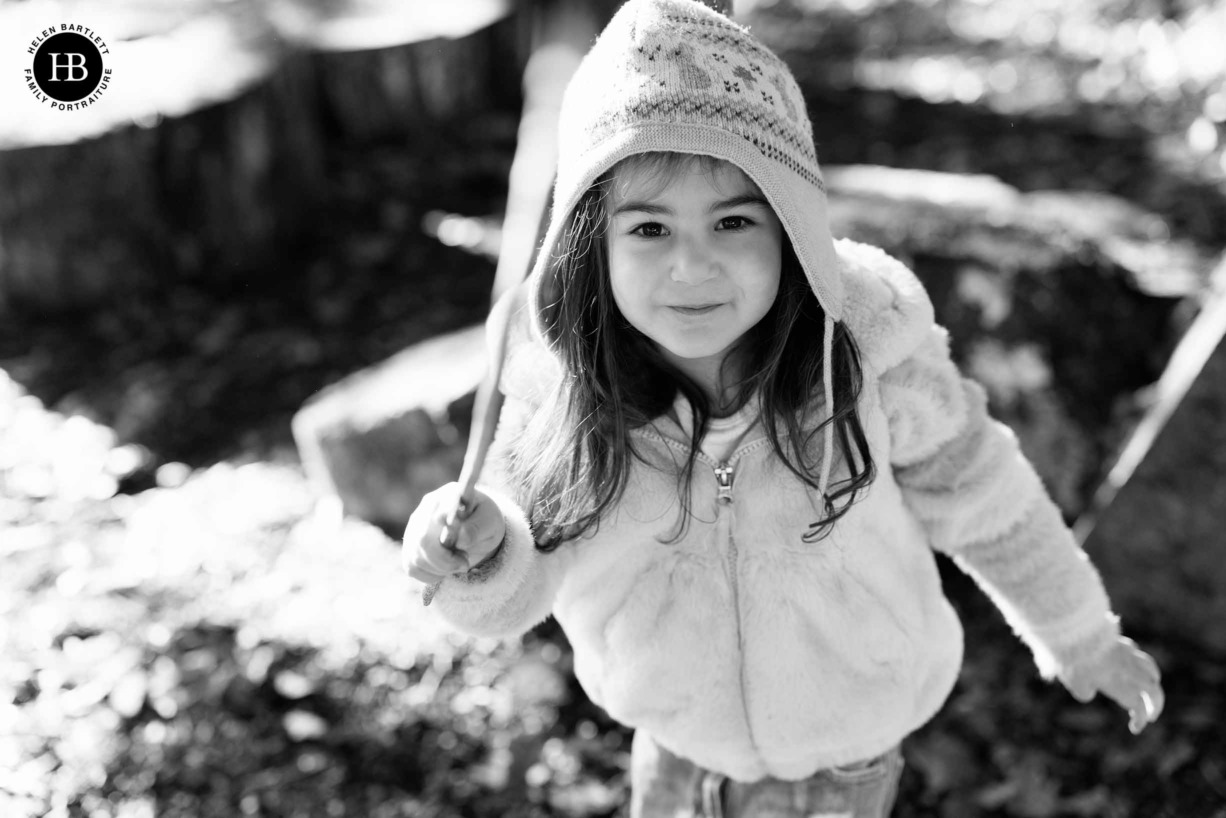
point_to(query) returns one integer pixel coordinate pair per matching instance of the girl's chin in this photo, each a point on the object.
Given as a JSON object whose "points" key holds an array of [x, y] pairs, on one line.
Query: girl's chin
{"points": [[680, 351], [691, 359]]}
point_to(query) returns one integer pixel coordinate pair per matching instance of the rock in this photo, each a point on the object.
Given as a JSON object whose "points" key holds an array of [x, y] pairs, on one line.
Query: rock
{"points": [[980, 218], [1156, 531], [1060, 304], [383, 437]]}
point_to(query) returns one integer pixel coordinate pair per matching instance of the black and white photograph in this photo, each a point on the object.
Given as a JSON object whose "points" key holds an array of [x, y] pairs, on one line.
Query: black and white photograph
{"points": [[612, 408]]}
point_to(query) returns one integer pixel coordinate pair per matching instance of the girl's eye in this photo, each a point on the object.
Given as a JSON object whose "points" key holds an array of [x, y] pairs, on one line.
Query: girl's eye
{"points": [[649, 230], [734, 223]]}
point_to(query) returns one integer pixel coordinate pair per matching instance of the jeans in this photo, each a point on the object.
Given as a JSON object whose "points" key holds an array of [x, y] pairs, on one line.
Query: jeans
{"points": [[664, 785]]}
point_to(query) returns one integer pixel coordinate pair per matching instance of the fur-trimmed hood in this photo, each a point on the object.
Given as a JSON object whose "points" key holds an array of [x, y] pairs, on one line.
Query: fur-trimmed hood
{"points": [[885, 307]]}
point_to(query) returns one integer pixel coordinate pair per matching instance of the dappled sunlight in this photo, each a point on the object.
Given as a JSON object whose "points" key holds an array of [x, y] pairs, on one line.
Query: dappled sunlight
{"points": [[189, 627], [481, 236], [47, 456], [1122, 68], [230, 628]]}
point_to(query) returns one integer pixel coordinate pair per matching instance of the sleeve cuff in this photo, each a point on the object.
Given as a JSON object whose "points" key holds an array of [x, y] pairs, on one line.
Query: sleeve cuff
{"points": [[508, 592], [505, 568], [1076, 646]]}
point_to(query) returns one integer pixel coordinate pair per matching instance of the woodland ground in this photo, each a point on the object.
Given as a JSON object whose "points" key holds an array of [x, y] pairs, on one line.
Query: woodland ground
{"points": [[186, 631]]}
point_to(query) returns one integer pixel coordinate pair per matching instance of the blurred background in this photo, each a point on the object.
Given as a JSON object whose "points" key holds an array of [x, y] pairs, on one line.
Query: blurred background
{"points": [[238, 309]]}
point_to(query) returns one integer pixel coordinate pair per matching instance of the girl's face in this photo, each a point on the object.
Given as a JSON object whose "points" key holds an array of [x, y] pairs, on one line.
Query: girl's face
{"points": [[693, 263]]}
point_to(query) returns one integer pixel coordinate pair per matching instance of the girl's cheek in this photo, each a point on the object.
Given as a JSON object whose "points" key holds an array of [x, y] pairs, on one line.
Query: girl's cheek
{"points": [[622, 246], [640, 255]]}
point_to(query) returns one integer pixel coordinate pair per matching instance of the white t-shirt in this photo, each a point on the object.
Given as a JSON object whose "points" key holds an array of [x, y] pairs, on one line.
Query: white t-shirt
{"points": [[724, 435]]}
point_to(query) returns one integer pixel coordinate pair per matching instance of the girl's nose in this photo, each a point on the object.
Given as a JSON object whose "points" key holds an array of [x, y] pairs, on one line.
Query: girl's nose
{"points": [[693, 263]]}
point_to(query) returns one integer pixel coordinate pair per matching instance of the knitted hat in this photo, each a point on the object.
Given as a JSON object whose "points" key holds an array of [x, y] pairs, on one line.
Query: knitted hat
{"points": [[674, 75]]}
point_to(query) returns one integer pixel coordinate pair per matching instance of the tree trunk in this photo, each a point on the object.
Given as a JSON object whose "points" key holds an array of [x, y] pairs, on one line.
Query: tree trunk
{"points": [[215, 175]]}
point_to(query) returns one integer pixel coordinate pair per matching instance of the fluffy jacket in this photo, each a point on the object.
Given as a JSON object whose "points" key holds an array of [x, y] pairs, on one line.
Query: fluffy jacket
{"points": [[753, 653]]}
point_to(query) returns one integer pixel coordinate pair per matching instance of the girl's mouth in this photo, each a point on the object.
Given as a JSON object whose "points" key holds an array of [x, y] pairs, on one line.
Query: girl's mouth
{"points": [[697, 309]]}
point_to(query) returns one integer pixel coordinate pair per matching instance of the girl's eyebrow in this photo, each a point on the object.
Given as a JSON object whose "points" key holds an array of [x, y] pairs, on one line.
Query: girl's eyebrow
{"points": [[641, 207], [660, 210], [739, 201]]}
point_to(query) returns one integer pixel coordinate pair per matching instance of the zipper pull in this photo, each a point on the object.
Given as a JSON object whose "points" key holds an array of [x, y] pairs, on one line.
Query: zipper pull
{"points": [[723, 476]]}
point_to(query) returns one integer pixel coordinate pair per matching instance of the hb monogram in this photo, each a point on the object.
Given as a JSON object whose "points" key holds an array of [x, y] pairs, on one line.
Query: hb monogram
{"points": [[68, 70], [74, 62]]}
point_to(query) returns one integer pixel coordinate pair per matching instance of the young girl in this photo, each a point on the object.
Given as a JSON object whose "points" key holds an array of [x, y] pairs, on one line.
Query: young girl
{"points": [[729, 447]]}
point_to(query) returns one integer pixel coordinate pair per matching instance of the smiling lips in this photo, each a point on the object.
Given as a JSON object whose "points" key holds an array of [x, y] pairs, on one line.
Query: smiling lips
{"points": [[694, 309]]}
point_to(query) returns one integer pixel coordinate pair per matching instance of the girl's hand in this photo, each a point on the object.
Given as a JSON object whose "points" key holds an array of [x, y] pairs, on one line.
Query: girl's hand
{"points": [[1126, 674], [470, 539]]}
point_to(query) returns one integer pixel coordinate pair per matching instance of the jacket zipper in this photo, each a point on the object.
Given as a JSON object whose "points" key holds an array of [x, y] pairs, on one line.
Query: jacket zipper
{"points": [[724, 475]]}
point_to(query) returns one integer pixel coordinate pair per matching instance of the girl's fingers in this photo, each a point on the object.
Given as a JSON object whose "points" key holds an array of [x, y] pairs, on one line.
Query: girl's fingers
{"points": [[475, 532], [1143, 714], [1136, 717], [436, 556], [1157, 698], [1130, 677], [451, 514], [1148, 667], [1144, 702], [1152, 702], [446, 562], [1148, 685], [433, 563], [423, 576], [1147, 707], [433, 550], [425, 558], [464, 537]]}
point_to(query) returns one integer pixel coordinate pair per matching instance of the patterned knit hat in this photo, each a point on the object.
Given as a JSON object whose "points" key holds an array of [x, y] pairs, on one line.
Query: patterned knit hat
{"points": [[674, 75]]}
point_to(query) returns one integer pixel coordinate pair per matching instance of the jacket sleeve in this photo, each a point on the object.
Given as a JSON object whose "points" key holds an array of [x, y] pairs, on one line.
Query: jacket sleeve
{"points": [[963, 476], [514, 588]]}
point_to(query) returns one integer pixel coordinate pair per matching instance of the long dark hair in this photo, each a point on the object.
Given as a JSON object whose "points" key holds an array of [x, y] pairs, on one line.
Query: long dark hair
{"points": [[573, 460]]}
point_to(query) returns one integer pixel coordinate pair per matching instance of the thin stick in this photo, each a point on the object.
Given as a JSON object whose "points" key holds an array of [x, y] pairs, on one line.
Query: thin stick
{"points": [[486, 408], [567, 28], [488, 405]]}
